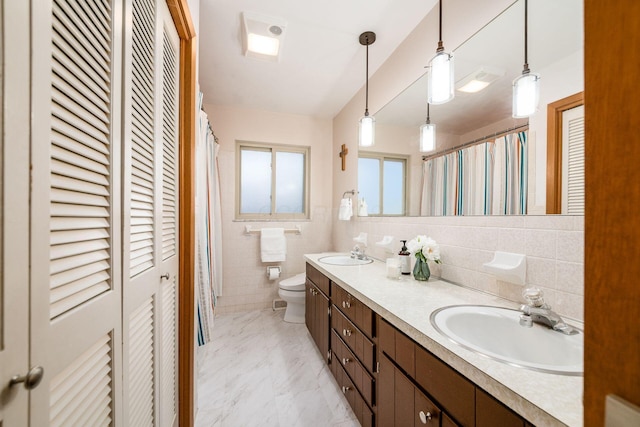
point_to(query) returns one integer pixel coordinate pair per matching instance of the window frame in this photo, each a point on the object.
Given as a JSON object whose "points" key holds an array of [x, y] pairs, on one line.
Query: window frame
{"points": [[382, 157], [273, 148]]}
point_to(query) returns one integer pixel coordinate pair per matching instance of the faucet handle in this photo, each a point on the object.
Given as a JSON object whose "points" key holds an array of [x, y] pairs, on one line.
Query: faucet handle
{"points": [[533, 296]]}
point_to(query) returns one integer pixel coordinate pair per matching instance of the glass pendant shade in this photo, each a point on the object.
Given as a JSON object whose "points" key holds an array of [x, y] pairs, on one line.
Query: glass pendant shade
{"points": [[366, 131], [440, 79], [526, 94], [427, 137]]}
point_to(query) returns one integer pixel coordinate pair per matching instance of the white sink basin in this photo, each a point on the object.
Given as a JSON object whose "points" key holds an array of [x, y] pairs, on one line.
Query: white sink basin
{"points": [[343, 260], [496, 333]]}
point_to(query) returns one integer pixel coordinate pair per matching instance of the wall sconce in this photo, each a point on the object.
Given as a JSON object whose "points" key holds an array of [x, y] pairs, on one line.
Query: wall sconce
{"points": [[427, 135], [440, 79], [367, 125], [526, 87]]}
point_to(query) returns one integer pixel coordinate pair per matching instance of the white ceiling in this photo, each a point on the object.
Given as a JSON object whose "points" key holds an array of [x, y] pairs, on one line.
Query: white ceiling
{"points": [[322, 65]]}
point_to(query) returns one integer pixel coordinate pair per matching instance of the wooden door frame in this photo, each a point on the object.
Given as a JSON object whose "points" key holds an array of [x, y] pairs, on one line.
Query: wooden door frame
{"points": [[181, 15], [554, 149]]}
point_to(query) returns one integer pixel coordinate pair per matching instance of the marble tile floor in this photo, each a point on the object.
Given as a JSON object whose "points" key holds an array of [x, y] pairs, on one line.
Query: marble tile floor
{"points": [[259, 370]]}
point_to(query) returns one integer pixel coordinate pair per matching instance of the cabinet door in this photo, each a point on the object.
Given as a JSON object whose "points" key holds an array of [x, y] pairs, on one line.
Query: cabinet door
{"points": [[309, 308], [385, 394], [14, 202], [491, 413], [322, 323]]}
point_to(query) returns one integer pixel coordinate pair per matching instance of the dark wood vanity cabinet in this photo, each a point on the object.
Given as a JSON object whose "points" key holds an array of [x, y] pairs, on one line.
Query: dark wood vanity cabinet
{"points": [[317, 309], [387, 378]]}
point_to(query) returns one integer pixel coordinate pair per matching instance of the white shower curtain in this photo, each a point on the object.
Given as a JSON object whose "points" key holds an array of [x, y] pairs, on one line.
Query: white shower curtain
{"points": [[208, 228]]}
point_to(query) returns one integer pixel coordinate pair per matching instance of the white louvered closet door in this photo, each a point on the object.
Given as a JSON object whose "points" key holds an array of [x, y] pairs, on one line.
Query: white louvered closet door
{"points": [[76, 285], [573, 161], [150, 219]]}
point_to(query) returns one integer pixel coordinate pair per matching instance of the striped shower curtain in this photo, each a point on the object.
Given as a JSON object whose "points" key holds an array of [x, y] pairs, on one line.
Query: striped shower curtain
{"points": [[208, 229], [483, 179]]}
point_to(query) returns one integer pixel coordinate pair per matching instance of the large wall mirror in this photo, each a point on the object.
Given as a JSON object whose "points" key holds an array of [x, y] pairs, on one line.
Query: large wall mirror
{"points": [[496, 54]]}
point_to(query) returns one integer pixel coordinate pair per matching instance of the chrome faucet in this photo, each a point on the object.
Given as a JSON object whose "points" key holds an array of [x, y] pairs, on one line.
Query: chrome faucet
{"points": [[538, 311], [358, 253]]}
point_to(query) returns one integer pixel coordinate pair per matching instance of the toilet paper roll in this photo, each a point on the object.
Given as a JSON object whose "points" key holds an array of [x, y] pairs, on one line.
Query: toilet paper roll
{"points": [[273, 273]]}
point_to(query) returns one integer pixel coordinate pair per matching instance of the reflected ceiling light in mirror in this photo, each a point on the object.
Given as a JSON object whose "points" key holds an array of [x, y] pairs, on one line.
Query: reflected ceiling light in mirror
{"points": [[440, 80], [367, 126], [479, 79], [526, 87], [427, 135]]}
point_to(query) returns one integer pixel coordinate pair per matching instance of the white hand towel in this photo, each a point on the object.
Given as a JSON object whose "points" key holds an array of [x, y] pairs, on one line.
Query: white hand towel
{"points": [[273, 246], [346, 211]]}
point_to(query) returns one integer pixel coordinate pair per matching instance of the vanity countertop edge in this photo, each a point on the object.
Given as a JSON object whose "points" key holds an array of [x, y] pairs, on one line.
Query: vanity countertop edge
{"points": [[543, 399]]}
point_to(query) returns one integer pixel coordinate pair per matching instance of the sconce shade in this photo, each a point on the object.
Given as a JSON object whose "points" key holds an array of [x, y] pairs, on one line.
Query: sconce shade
{"points": [[427, 137], [366, 131], [526, 93], [441, 79]]}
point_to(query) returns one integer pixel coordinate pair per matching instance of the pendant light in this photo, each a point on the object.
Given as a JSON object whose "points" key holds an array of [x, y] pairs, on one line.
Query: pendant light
{"points": [[526, 87], [427, 135], [367, 126], [440, 78]]}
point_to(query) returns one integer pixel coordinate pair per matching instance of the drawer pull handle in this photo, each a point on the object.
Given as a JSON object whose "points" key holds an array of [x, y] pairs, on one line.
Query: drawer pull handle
{"points": [[346, 332], [425, 417], [346, 304], [345, 360], [345, 389]]}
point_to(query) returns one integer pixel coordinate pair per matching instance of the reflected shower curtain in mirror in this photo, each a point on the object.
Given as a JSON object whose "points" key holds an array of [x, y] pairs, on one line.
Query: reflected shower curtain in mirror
{"points": [[483, 179], [208, 228]]}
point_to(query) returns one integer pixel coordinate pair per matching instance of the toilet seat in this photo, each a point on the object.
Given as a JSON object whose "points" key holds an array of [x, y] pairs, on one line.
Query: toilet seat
{"points": [[294, 284]]}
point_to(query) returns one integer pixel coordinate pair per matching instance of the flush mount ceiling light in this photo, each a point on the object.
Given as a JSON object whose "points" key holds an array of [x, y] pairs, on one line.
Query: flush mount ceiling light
{"points": [[526, 87], [479, 79], [262, 36], [427, 135], [440, 79], [367, 125]]}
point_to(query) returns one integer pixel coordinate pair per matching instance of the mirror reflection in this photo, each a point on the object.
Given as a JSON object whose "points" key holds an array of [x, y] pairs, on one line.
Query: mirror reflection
{"points": [[493, 56]]}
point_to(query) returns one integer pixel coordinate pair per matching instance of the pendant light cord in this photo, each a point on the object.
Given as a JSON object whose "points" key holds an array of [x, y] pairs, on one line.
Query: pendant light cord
{"points": [[440, 45], [366, 91], [428, 120], [526, 37]]}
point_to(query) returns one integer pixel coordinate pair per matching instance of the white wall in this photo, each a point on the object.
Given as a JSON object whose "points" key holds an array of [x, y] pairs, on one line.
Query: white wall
{"points": [[245, 286]]}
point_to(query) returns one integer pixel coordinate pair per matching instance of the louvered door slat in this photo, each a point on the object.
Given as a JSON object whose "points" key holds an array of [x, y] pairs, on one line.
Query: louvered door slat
{"points": [[64, 52], [61, 237], [85, 38], [60, 181], [68, 388], [141, 363], [61, 168], [169, 349], [78, 223], [96, 17], [95, 95], [58, 209], [70, 276], [169, 144], [81, 98], [573, 165], [142, 197]]}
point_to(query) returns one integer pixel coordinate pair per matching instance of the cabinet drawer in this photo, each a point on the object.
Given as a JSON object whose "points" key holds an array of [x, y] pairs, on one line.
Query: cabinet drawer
{"points": [[357, 342], [359, 375], [357, 403], [320, 280], [355, 310], [453, 392]]}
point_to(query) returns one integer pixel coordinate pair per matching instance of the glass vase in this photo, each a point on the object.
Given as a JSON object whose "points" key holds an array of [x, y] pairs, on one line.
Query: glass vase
{"points": [[421, 270]]}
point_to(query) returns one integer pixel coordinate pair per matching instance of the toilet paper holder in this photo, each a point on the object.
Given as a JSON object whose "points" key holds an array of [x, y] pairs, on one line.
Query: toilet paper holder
{"points": [[273, 272]]}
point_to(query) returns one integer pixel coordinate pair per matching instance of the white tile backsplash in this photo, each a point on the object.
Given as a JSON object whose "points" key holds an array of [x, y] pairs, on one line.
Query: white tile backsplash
{"points": [[553, 245]]}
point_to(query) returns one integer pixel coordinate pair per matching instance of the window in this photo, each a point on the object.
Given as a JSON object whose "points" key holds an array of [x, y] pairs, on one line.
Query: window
{"points": [[382, 183], [273, 181]]}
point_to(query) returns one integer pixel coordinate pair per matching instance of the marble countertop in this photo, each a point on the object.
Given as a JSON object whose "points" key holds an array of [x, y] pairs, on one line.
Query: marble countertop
{"points": [[543, 399]]}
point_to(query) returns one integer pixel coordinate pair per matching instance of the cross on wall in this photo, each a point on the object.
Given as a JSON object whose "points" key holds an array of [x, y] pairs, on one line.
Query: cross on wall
{"points": [[343, 155]]}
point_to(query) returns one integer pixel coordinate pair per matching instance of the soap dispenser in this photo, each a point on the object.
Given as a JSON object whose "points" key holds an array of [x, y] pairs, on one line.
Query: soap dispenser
{"points": [[405, 258]]}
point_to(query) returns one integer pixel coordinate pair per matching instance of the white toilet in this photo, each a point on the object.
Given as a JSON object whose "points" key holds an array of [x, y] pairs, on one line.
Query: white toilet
{"points": [[292, 291]]}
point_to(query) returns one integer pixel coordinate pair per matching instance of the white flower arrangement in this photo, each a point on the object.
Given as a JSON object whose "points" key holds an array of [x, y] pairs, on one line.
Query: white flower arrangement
{"points": [[424, 248]]}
